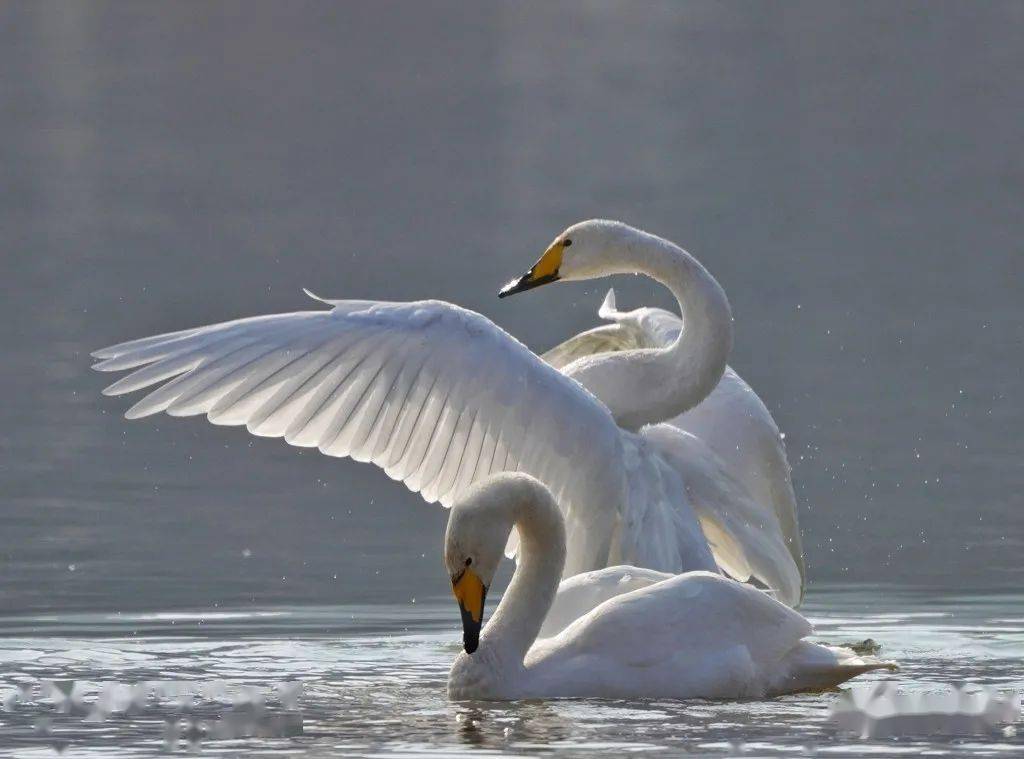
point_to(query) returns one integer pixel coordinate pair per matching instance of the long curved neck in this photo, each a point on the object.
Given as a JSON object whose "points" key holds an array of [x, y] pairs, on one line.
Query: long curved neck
{"points": [[516, 622], [647, 386]]}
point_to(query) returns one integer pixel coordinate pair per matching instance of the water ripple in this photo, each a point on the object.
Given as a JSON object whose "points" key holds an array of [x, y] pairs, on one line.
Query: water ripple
{"points": [[370, 681]]}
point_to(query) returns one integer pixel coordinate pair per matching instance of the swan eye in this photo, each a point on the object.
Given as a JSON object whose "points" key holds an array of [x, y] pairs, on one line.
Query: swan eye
{"points": [[566, 242], [469, 560]]}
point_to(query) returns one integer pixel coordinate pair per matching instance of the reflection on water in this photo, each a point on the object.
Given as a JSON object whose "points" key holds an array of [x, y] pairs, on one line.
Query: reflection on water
{"points": [[370, 680]]}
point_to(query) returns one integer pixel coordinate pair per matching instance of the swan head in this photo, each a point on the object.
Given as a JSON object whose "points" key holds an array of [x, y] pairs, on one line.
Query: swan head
{"points": [[474, 543], [586, 250]]}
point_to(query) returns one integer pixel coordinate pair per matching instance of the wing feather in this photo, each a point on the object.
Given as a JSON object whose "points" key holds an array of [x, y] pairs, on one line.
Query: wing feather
{"points": [[470, 456], [378, 431], [437, 396], [255, 391]]}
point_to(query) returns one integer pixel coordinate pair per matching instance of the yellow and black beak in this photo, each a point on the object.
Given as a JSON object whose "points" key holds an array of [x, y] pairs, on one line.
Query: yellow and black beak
{"points": [[542, 272], [470, 592]]}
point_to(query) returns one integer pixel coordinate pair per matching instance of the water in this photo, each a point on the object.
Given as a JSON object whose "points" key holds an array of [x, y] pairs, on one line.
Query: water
{"points": [[373, 684], [852, 174]]}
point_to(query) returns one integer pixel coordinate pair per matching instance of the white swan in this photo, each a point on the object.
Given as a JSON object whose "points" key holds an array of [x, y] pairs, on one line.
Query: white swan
{"points": [[440, 398], [732, 430], [695, 635]]}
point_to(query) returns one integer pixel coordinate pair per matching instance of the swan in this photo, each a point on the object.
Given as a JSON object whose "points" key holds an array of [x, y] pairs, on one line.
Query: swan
{"points": [[694, 635], [731, 429], [440, 398]]}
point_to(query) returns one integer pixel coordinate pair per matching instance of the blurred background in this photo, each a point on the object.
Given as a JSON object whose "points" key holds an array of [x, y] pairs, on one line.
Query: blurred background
{"points": [[852, 174]]}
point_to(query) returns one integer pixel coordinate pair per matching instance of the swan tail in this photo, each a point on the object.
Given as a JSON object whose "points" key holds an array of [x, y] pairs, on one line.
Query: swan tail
{"points": [[813, 667]]}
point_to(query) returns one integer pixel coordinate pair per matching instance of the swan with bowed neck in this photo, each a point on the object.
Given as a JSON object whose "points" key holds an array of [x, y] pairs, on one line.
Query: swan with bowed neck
{"points": [[695, 635], [441, 398]]}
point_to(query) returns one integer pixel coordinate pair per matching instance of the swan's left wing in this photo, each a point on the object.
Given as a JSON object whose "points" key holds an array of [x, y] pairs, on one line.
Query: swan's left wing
{"points": [[696, 618], [693, 635], [745, 536], [437, 396], [736, 427]]}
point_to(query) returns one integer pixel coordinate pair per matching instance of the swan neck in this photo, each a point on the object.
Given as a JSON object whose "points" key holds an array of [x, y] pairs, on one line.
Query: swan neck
{"points": [[681, 375], [516, 622]]}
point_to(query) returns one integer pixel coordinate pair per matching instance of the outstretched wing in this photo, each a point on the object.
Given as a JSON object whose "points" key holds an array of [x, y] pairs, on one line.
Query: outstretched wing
{"points": [[436, 395]]}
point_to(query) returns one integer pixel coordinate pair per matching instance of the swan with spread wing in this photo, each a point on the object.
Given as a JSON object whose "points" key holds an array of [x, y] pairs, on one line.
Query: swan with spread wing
{"points": [[441, 398]]}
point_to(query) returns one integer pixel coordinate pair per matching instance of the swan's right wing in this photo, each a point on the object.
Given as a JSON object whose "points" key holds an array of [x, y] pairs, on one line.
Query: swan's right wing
{"points": [[437, 396]]}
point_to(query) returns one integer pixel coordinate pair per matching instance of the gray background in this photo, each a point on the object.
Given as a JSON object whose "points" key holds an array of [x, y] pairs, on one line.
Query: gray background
{"points": [[852, 174]]}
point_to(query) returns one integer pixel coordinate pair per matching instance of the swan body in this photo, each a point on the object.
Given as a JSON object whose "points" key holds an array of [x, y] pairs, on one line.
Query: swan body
{"points": [[441, 398], [581, 593], [733, 455], [694, 635]]}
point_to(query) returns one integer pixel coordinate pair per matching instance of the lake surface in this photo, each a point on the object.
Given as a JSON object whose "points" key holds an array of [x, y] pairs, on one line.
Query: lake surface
{"points": [[369, 680], [851, 173], [852, 176]]}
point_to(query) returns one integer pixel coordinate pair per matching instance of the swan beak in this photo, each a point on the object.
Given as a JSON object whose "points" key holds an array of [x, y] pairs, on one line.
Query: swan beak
{"points": [[470, 592], [542, 272]]}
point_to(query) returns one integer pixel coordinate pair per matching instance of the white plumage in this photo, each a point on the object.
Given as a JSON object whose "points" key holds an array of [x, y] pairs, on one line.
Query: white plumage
{"points": [[694, 635], [440, 398], [581, 593], [733, 457]]}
